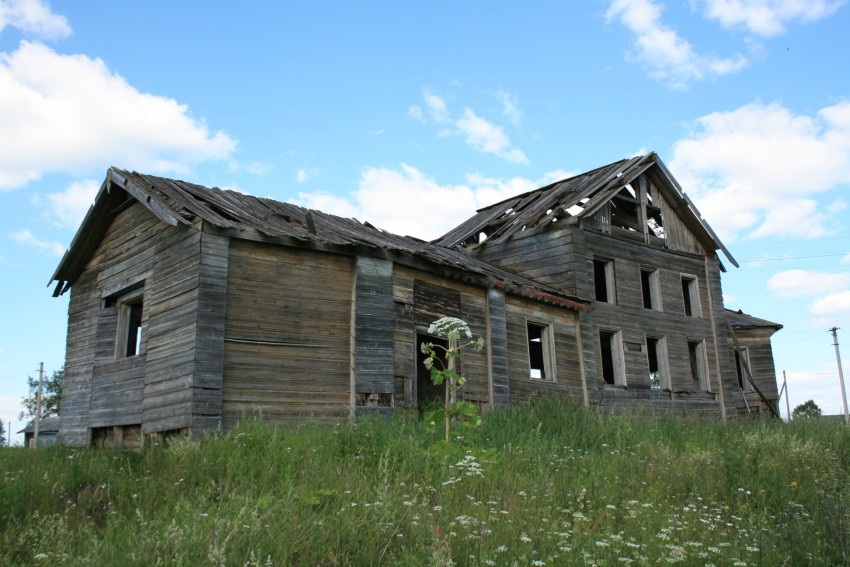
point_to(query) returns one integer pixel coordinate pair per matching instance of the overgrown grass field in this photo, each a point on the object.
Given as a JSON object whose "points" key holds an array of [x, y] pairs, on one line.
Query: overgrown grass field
{"points": [[545, 484]]}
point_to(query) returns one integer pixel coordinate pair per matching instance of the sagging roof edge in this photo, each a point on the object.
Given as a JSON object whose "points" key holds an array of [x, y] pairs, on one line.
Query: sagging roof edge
{"points": [[80, 244], [94, 225]]}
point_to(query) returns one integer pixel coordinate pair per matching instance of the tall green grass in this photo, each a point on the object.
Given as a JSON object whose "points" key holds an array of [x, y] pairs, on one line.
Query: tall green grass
{"points": [[549, 483]]}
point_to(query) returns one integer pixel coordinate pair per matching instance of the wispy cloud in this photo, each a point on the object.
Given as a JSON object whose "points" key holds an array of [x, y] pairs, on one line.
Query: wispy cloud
{"points": [[668, 56], [27, 238], [70, 113], [761, 169], [67, 208], [305, 174], [510, 107], [768, 17], [479, 133], [33, 17], [484, 136]]}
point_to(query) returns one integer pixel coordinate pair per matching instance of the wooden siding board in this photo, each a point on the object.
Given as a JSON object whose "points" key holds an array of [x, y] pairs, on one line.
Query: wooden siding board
{"points": [[498, 347], [287, 296]]}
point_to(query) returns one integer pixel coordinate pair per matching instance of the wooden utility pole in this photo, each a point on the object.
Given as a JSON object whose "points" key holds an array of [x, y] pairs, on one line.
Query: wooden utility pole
{"points": [[38, 405], [787, 403], [834, 332]]}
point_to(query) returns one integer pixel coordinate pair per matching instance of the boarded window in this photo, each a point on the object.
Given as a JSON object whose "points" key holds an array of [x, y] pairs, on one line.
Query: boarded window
{"points": [[611, 351], [690, 296], [649, 289], [699, 367], [656, 354], [541, 364], [603, 280]]}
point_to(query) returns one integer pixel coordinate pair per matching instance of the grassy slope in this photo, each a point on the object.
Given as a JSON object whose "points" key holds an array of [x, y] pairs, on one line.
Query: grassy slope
{"points": [[546, 484]]}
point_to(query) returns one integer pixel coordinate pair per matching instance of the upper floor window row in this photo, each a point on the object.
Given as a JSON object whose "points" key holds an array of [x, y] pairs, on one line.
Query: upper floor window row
{"points": [[604, 285]]}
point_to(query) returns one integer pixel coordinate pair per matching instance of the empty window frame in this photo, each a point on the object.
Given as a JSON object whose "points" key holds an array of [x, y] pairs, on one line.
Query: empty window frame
{"points": [[690, 296], [650, 289], [611, 352], [541, 349], [603, 280], [698, 365], [128, 340], [743, 368], [659, 371], [654, 221]]}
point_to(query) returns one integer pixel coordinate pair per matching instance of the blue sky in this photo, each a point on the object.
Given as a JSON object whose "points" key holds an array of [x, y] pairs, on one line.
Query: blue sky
{"points": [[410, 117]]}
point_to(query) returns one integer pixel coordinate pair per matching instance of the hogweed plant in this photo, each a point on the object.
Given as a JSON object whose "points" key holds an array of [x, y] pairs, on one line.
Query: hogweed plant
{"points": [[442, 363]]}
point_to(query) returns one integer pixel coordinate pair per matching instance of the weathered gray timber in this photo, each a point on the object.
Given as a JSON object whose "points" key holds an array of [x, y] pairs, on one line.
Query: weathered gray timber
{"points": [[192, 308], [656, 337]]}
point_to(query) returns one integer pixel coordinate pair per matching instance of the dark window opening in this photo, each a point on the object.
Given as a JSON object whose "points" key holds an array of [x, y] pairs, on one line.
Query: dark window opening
{"points": [[603, 280], [130, 327], [699, 372], [612, 356], [428, 395], [624, 210], [648, 287], [540, 363], [654, 222], [134, 328], [742, 357], [690, 296], [654, 369]]}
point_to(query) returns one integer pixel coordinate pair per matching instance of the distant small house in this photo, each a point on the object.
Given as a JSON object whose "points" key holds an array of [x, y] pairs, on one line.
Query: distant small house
{"points": [[192, 307], [48, 431]]}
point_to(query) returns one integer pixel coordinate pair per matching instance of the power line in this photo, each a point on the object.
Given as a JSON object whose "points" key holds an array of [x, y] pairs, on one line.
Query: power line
{"points": [[775, 242], [779, 258]]}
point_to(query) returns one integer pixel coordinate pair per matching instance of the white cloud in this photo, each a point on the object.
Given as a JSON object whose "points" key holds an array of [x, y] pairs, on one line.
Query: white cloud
{"points": [[304, 174], [436, 106], [33, 17], [479, 133], [510, 107], [768, 17], [487, 137], [67, 208], [669, 57], [70, 113], [408, 202], [833, 309], [789, 284], [760, 167], [27, 238], [846, 259]]}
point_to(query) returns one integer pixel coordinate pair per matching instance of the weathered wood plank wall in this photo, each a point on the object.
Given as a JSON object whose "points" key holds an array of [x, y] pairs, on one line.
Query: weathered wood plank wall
{"points": [[287, 348], [209, 343], [103, 387], [420, 299], [372, 336], [564, 324]]}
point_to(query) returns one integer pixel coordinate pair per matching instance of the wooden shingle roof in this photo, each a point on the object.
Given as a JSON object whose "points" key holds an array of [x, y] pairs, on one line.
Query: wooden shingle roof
{"points": [[181, 203], [742, 321]]}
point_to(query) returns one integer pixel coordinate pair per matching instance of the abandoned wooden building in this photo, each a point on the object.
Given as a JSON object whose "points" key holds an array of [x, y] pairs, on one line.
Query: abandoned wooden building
{"points": [[192, 307]]}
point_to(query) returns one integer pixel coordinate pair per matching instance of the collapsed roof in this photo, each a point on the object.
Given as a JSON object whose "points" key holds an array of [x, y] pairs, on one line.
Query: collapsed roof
{"points": [[570, 200], [181, 203]]}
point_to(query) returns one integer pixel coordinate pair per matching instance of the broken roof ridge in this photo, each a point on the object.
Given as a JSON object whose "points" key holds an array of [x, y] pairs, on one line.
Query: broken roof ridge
{"points": [[558, 182]]}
